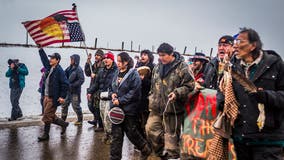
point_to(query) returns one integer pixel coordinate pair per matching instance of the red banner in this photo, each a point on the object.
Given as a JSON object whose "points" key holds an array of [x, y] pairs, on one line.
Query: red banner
{"points": [[197, 134]]}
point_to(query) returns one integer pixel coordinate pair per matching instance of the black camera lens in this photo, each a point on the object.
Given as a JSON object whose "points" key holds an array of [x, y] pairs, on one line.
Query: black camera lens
{"points": [[10, 61]]}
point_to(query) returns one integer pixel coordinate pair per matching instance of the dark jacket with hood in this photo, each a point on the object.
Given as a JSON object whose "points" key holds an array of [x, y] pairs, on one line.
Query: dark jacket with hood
{"points": [[58, 83], [128, 92], [75, 75], [174, 77], [269, 75], [104, 80]]}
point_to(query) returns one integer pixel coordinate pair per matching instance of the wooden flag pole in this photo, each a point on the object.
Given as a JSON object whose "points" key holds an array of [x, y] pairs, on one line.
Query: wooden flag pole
{"points": [[85, 46], [211, 51], [90, 64]]}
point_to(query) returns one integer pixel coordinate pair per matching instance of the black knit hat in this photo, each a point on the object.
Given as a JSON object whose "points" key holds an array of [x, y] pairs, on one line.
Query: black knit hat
{"points": [[10, 61], [100, 53]]}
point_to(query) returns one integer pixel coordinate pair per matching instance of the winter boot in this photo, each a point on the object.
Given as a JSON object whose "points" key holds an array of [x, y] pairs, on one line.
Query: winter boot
{"points": [[64, 117], [93, 122], [45, 135], [80, 120], [61, 123]]}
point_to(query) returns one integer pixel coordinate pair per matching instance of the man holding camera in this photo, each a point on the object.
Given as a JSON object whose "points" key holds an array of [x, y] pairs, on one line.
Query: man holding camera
{"points": [[16, 72]]}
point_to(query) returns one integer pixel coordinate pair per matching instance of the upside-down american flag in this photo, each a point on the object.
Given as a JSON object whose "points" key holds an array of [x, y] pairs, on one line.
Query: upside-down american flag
{"points": [[62, 26]]}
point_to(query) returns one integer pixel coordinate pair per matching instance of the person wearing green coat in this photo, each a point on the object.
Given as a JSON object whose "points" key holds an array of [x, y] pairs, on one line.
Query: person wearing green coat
{"points": [[16, 72], [172, 81]]}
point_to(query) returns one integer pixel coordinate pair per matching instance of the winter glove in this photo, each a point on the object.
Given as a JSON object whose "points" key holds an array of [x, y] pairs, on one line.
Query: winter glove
{"points": [[259, 96]]}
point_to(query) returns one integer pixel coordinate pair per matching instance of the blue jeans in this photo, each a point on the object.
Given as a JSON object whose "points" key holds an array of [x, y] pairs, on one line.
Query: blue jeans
{"points": [[15, 95]]}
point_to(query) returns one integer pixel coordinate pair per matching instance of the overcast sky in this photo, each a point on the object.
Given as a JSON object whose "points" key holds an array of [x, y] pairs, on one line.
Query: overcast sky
{"points": [[150, 22]]}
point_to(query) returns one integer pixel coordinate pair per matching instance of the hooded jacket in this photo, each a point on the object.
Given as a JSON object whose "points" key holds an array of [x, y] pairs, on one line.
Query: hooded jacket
{"points": [[75, 75], [176, 78], [20, 72], [128, 92], [104, 80], [58, 83]]}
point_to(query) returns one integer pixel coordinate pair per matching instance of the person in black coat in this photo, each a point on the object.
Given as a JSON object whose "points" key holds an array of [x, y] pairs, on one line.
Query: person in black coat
{"points": [[55, 88], [102, 85], [146, 59], [214, 69], [76, 78], [91, 70], [266, 71], [213, 72], [126, 93]]}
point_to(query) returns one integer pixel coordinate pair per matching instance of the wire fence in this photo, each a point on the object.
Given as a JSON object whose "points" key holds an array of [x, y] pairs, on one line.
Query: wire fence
{"points": [[7, 45]]}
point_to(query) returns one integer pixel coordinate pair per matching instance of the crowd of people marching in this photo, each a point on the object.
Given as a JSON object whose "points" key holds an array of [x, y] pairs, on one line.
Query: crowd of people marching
{"points": [[146, 102]]}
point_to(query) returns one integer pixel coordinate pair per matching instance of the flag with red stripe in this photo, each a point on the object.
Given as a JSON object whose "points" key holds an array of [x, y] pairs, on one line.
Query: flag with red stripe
{"points": [[62, 26]]}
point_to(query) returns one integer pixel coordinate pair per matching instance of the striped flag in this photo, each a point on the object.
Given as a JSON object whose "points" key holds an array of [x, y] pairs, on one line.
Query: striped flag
{"points": [[62, 26]]}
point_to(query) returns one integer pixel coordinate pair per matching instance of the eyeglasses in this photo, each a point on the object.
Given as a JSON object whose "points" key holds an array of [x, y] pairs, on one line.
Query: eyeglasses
{"points": [[239, 41]]}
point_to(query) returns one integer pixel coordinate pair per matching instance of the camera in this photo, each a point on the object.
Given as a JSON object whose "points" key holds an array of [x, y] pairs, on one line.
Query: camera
{"points": [[10, 61], [15, 61]]}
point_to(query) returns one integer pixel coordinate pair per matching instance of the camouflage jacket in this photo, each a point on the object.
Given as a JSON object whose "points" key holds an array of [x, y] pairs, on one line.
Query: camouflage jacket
{"points": [[178, 80]]}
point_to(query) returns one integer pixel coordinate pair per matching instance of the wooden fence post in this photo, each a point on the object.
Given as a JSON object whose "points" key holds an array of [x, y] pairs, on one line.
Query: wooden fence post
{"points": [[184, 50], [96, 41], [122, 46]]}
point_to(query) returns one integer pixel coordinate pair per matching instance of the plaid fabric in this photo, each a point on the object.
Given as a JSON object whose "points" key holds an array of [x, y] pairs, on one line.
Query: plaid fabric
{"points": [[231, 104], [218, 150]]}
